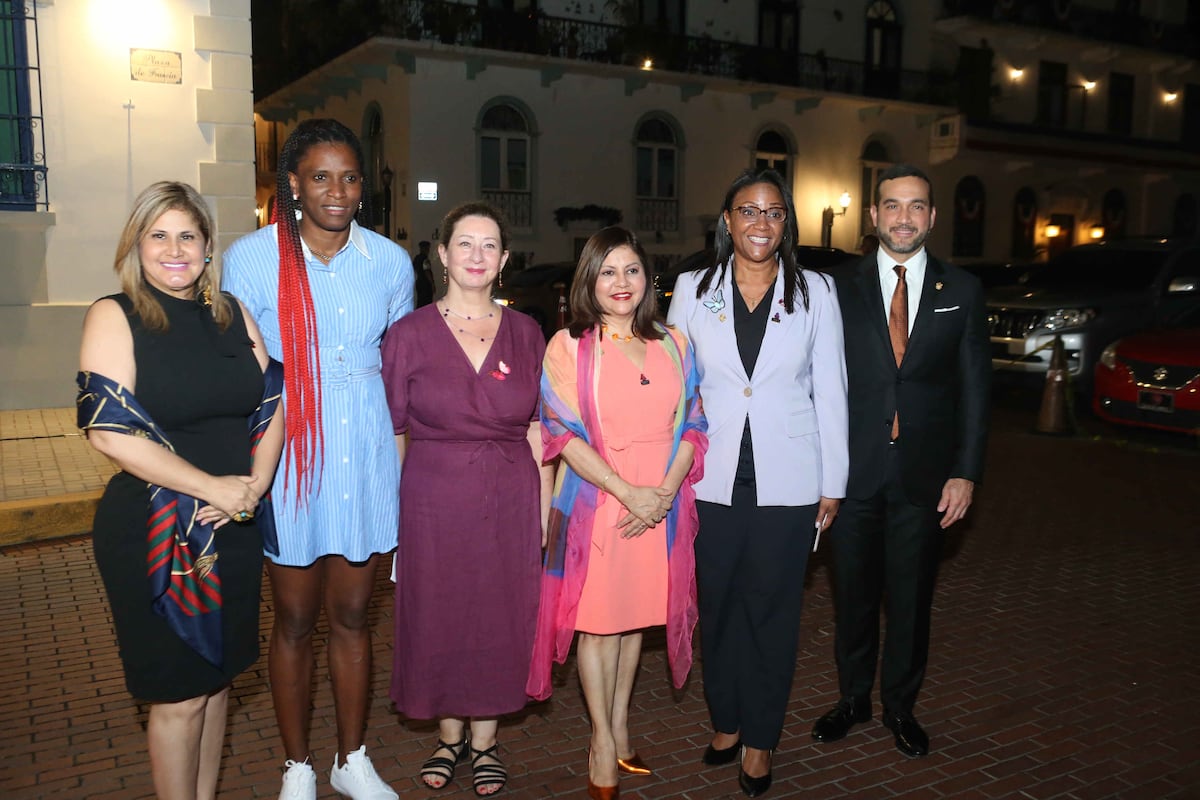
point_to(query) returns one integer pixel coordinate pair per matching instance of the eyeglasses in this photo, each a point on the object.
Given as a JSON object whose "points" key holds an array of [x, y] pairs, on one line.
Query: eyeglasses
{"points": [[774, 215]]}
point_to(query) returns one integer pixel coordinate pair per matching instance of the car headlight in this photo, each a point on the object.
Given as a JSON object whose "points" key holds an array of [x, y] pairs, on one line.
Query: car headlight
{"points": [[1109, 356], [1061, 318]]}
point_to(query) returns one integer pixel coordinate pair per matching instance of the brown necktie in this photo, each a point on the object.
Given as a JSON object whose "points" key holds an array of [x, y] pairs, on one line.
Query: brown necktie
{"points": [[898, 328]]}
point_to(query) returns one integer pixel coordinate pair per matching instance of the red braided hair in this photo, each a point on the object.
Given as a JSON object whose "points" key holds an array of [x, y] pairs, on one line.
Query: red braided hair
{"points": [[305, 436]]}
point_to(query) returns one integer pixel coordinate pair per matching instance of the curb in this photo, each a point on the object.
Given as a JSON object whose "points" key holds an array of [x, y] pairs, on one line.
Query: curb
{"points": [[33, 520]]}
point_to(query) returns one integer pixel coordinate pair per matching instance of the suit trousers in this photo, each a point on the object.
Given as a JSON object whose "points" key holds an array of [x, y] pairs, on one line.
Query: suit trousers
{"points": [[885, 549], [750, 565]]}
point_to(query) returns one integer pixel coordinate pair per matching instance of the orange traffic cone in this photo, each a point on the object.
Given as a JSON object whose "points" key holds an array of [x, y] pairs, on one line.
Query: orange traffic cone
{"points": [[1054, 417]]}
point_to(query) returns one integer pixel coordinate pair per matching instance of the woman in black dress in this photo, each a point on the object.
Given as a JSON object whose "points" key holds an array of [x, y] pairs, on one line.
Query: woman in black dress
{"points": [[186, 365]]}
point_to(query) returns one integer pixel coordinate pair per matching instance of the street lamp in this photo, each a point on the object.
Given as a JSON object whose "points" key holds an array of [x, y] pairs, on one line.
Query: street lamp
{"points": [[386, 178], [827, 219]]}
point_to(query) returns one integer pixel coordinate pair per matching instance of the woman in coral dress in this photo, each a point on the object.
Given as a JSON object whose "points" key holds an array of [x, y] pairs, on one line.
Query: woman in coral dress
{"points": [[619, 405]]}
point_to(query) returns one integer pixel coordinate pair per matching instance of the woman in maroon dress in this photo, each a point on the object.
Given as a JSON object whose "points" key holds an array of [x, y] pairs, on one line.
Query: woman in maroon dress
{"points": [[462, 378]]}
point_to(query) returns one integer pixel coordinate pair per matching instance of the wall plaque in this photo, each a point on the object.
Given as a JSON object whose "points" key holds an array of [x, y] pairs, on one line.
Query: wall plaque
{"points": [[155, 66]]}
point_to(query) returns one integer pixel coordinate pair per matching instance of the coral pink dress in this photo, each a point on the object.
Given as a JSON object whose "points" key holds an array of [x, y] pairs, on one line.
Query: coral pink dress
{"points": [[626, 584]]}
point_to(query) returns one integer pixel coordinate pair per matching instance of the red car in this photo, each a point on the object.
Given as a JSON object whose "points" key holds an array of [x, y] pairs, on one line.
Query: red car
{"points": [[1152, 379]]}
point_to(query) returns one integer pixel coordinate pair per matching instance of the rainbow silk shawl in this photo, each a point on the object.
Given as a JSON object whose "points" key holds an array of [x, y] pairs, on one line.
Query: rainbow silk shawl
{"points": [[569, 411]]}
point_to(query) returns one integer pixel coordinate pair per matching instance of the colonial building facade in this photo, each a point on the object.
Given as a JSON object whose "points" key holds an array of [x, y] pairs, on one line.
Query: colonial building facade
{"points": [[98, 100], [1067, 118]]}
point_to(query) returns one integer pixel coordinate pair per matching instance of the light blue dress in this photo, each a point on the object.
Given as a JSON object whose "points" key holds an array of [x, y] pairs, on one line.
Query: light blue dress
{"points": [[353, 508]]}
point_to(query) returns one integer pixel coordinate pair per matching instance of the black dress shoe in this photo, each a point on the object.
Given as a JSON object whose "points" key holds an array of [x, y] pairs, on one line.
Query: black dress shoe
{"points": [[845, 715], [726, 755], [910, 738], [753, 787]]}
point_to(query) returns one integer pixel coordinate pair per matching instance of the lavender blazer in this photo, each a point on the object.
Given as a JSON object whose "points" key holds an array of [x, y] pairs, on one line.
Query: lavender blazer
{"points": [[796, 400]]}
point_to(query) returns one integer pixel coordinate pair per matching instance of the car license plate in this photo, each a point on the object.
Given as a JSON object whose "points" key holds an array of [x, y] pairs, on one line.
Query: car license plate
{"points": [[1156, 401]]}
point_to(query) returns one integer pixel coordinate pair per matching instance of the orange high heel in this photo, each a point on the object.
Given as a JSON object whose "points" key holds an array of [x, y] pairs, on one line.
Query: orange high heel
{"points": [[633, 766], [603, 792]]}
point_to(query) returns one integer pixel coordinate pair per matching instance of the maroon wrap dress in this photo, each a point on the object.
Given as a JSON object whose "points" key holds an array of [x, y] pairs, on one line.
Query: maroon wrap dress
{"points": [[468, 564]]}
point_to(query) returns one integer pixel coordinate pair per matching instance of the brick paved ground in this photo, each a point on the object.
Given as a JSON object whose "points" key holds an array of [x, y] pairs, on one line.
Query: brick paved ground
{"points": [[1066, 634]]}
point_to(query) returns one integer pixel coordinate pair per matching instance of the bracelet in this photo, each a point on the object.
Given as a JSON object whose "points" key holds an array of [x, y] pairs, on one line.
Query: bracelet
{"points": [[604, 482]]}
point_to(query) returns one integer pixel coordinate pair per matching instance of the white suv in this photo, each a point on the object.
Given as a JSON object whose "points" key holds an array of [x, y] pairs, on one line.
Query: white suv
{"points": [[1091, 295]]}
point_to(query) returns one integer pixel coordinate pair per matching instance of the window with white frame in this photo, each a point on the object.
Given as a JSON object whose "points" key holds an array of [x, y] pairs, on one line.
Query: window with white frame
{"points": [[656, 179], [772, 151], [505, 170]]}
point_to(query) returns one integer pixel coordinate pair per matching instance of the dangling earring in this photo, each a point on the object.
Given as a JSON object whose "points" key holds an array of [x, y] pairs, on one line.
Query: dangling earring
{"points": [[298, 212], [445, 276], [360, 205], [206, 297], [208, 259], [500, 278]]}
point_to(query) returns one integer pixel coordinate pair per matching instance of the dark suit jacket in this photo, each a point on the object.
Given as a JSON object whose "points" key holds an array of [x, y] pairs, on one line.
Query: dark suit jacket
{"points": [[941, 390]]}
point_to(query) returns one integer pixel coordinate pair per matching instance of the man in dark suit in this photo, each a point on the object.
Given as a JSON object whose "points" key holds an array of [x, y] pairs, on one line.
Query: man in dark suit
{"points": [[918, 363]]}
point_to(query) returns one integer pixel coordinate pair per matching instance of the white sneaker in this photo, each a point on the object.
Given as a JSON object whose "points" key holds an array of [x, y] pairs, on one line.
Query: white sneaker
{"points": [[299, 782], [358, 780]]}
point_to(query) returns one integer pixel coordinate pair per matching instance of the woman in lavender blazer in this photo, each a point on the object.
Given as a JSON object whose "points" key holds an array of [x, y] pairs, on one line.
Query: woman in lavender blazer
{"points": [[768, 341]]}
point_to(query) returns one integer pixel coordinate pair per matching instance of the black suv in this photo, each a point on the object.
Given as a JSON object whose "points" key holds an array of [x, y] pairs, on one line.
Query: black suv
{"points": [[1091, 295]]}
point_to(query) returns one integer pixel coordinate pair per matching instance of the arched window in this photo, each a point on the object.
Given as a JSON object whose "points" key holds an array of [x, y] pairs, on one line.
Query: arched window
{"points": [[875, 159], [882, 76], [656, 179], [1112, 214], [372, 141], [505, 161], [970, 200], [1024, 223], [772, 151]]}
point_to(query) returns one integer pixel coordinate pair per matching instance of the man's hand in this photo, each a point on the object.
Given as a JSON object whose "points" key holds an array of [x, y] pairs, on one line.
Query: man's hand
{"points": [[956, 499]]}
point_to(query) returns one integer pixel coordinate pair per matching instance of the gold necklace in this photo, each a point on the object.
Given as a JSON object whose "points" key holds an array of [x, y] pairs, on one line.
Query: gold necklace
{"points": [[325, 258]]}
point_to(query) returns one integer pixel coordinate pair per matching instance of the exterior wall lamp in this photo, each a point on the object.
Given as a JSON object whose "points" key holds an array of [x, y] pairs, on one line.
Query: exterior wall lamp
{"points": [[827, 219], [1052, 231]]}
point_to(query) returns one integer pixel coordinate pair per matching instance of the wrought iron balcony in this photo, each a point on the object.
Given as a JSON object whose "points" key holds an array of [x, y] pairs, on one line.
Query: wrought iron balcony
{"points": [[560, 37], [657, 214], [517, 207], [1077, 19]]}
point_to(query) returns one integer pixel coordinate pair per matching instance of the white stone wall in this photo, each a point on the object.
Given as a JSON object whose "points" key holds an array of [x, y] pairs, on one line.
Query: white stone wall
{"points": [[107, 138]]}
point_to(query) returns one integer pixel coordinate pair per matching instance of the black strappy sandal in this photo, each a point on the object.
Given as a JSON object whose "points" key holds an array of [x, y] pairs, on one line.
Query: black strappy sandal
{"points": [[441, 767], [488, 775]]}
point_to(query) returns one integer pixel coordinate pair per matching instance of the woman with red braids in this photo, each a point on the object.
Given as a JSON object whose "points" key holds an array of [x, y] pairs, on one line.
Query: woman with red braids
{"points": [[323, 290]]}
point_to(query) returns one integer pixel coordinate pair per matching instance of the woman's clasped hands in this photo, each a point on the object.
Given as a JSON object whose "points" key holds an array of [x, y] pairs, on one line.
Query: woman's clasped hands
{"points": [[647, 506], [229, 497]]}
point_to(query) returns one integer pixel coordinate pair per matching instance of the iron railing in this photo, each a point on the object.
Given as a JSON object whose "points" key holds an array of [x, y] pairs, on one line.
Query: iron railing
{"points": [[23, 185], [469, 25], [1079, 19], [517, 207], [657, 214]]}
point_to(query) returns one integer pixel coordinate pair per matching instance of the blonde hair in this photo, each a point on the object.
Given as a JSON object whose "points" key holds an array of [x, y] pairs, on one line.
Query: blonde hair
{"points": [[156, 200]]}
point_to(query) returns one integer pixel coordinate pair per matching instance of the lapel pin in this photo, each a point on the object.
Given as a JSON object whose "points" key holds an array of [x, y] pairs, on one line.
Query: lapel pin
{"points": [[721, 318], [776, 317], [938, 286]]}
